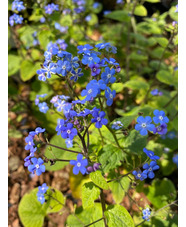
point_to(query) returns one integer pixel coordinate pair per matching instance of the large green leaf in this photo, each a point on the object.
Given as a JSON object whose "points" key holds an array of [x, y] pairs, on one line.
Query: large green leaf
{"points": [[90, 192], [28, 69], [140, 11], [32, 212], [13, 64], [135, 142], [118, 216], [86, 216], [110, 157], [166, 77], [45, 37], [53, 152], [136, 84], [161, 192], [99, 180], [119, 15]]}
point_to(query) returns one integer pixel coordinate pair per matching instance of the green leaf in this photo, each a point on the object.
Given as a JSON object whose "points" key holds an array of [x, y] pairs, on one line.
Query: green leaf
{"points": [[90, 192], [58, 153], [99, 180], [86, 216], [118, 87], [119, 15], [161, 192], [13, 64], [45, 37], [66, 20], [119, 188], [126, 120], [110, 157], [162, 41], [32, 212], [165, 77], [135, 142], [152, 1], [138, 57], [140, 11], [136, 84], [28, 69], [118, 216]]}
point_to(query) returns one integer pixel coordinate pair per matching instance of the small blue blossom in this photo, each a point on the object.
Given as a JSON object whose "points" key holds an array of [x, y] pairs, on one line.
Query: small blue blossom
{"points": [[42, 20], [171, 135], [95, 70], [160, 117], [150, 154], [48, 69], [108, 75], [146, 214], [37, 166], [111, 61], [43, 107], [30, 142], [60, 104], [89, 59], [156, 92], [43, 188], [50, 8], [60, 126], [63, 67], [37, 131], [69, 142], [139, 175], [176, 11], [91, 91], [148, 169], [119, 2], [40, 197], [106, 12], [15, 18], [99, 119], [84, 49], [17, 5], [175, 159], [76, 74], [161, 129], [110, 95], [79, 165], [117, 125], [144, 125], [68, 131], [96, 5], [88, 18]]}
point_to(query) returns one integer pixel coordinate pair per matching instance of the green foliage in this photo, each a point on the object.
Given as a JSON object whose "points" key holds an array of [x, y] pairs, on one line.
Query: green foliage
{"points": [[13, 64], [118, 216], [99, 180], [28, 69], [32, 212], [90, 192], [140, 11], [119, 15]]}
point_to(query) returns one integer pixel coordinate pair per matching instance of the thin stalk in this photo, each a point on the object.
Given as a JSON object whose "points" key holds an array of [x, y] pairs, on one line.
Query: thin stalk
{"points": [[94, 222], [52, 145], [103, 207]]}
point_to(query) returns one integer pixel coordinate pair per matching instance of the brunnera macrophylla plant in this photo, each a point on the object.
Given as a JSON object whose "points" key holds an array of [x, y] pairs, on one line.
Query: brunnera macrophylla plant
{"points": [[79, 116]]}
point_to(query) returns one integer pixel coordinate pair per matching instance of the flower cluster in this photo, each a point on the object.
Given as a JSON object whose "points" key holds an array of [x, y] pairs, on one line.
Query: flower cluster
{"points": [[17, 5], [80, 6], [145, 123], [117, 125], [15, 18], [62, 29], [146, 214], [50, 8], [156, 92], [149, 169], [33, 164], [41, 192]]}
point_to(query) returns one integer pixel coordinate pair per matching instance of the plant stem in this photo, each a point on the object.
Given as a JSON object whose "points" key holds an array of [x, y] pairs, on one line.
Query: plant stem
{"points": [[103, 207], [172, 99], [93, 222], [52, 145]]}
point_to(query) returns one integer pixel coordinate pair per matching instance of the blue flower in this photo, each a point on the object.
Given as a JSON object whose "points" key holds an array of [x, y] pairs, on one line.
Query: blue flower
{"points": [[17, 5], [155, 92], [69, 142], [106, 12], [50, 8], [139, 175], [76, 75], [101, 46], [95, 69], [37, 131], [37, 166], [60, 104], [84, 49], [30, 142], [69, 131], [171, 135], [79, 165], [27, 161], [110, 95], [43, 188], [161, 129], [175, 159], [96, 5], [117, 125], [144, 125], [160, 117], [99, 118], [48, 69], [91, 91], [107, 76], [88, 18], [146, 214], [111, 61], [150, 154], [176, 11], [60, 126], [148, 169], [40, 197], [89, 59], [42, 20], [41, 74], [119, 2], [43, 107], [15, 18], [63, 67]]}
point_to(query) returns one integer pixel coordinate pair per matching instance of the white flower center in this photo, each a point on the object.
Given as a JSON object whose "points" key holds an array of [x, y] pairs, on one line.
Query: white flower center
{"points": [[143, 125], [63, 67], [37, 166], [29, 143], [94, 69], [78, 164], [98, 119], [68, 131], [159, 129], [111, 96], [150, 169], [161, 118], [84, 49], [90, 58], [139, 175], [89, 91], [109, 76]]}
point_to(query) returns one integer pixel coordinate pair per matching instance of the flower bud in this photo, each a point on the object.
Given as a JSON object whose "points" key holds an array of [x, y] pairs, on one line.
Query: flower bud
{"points": [[96, 166], [90, 169]]}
